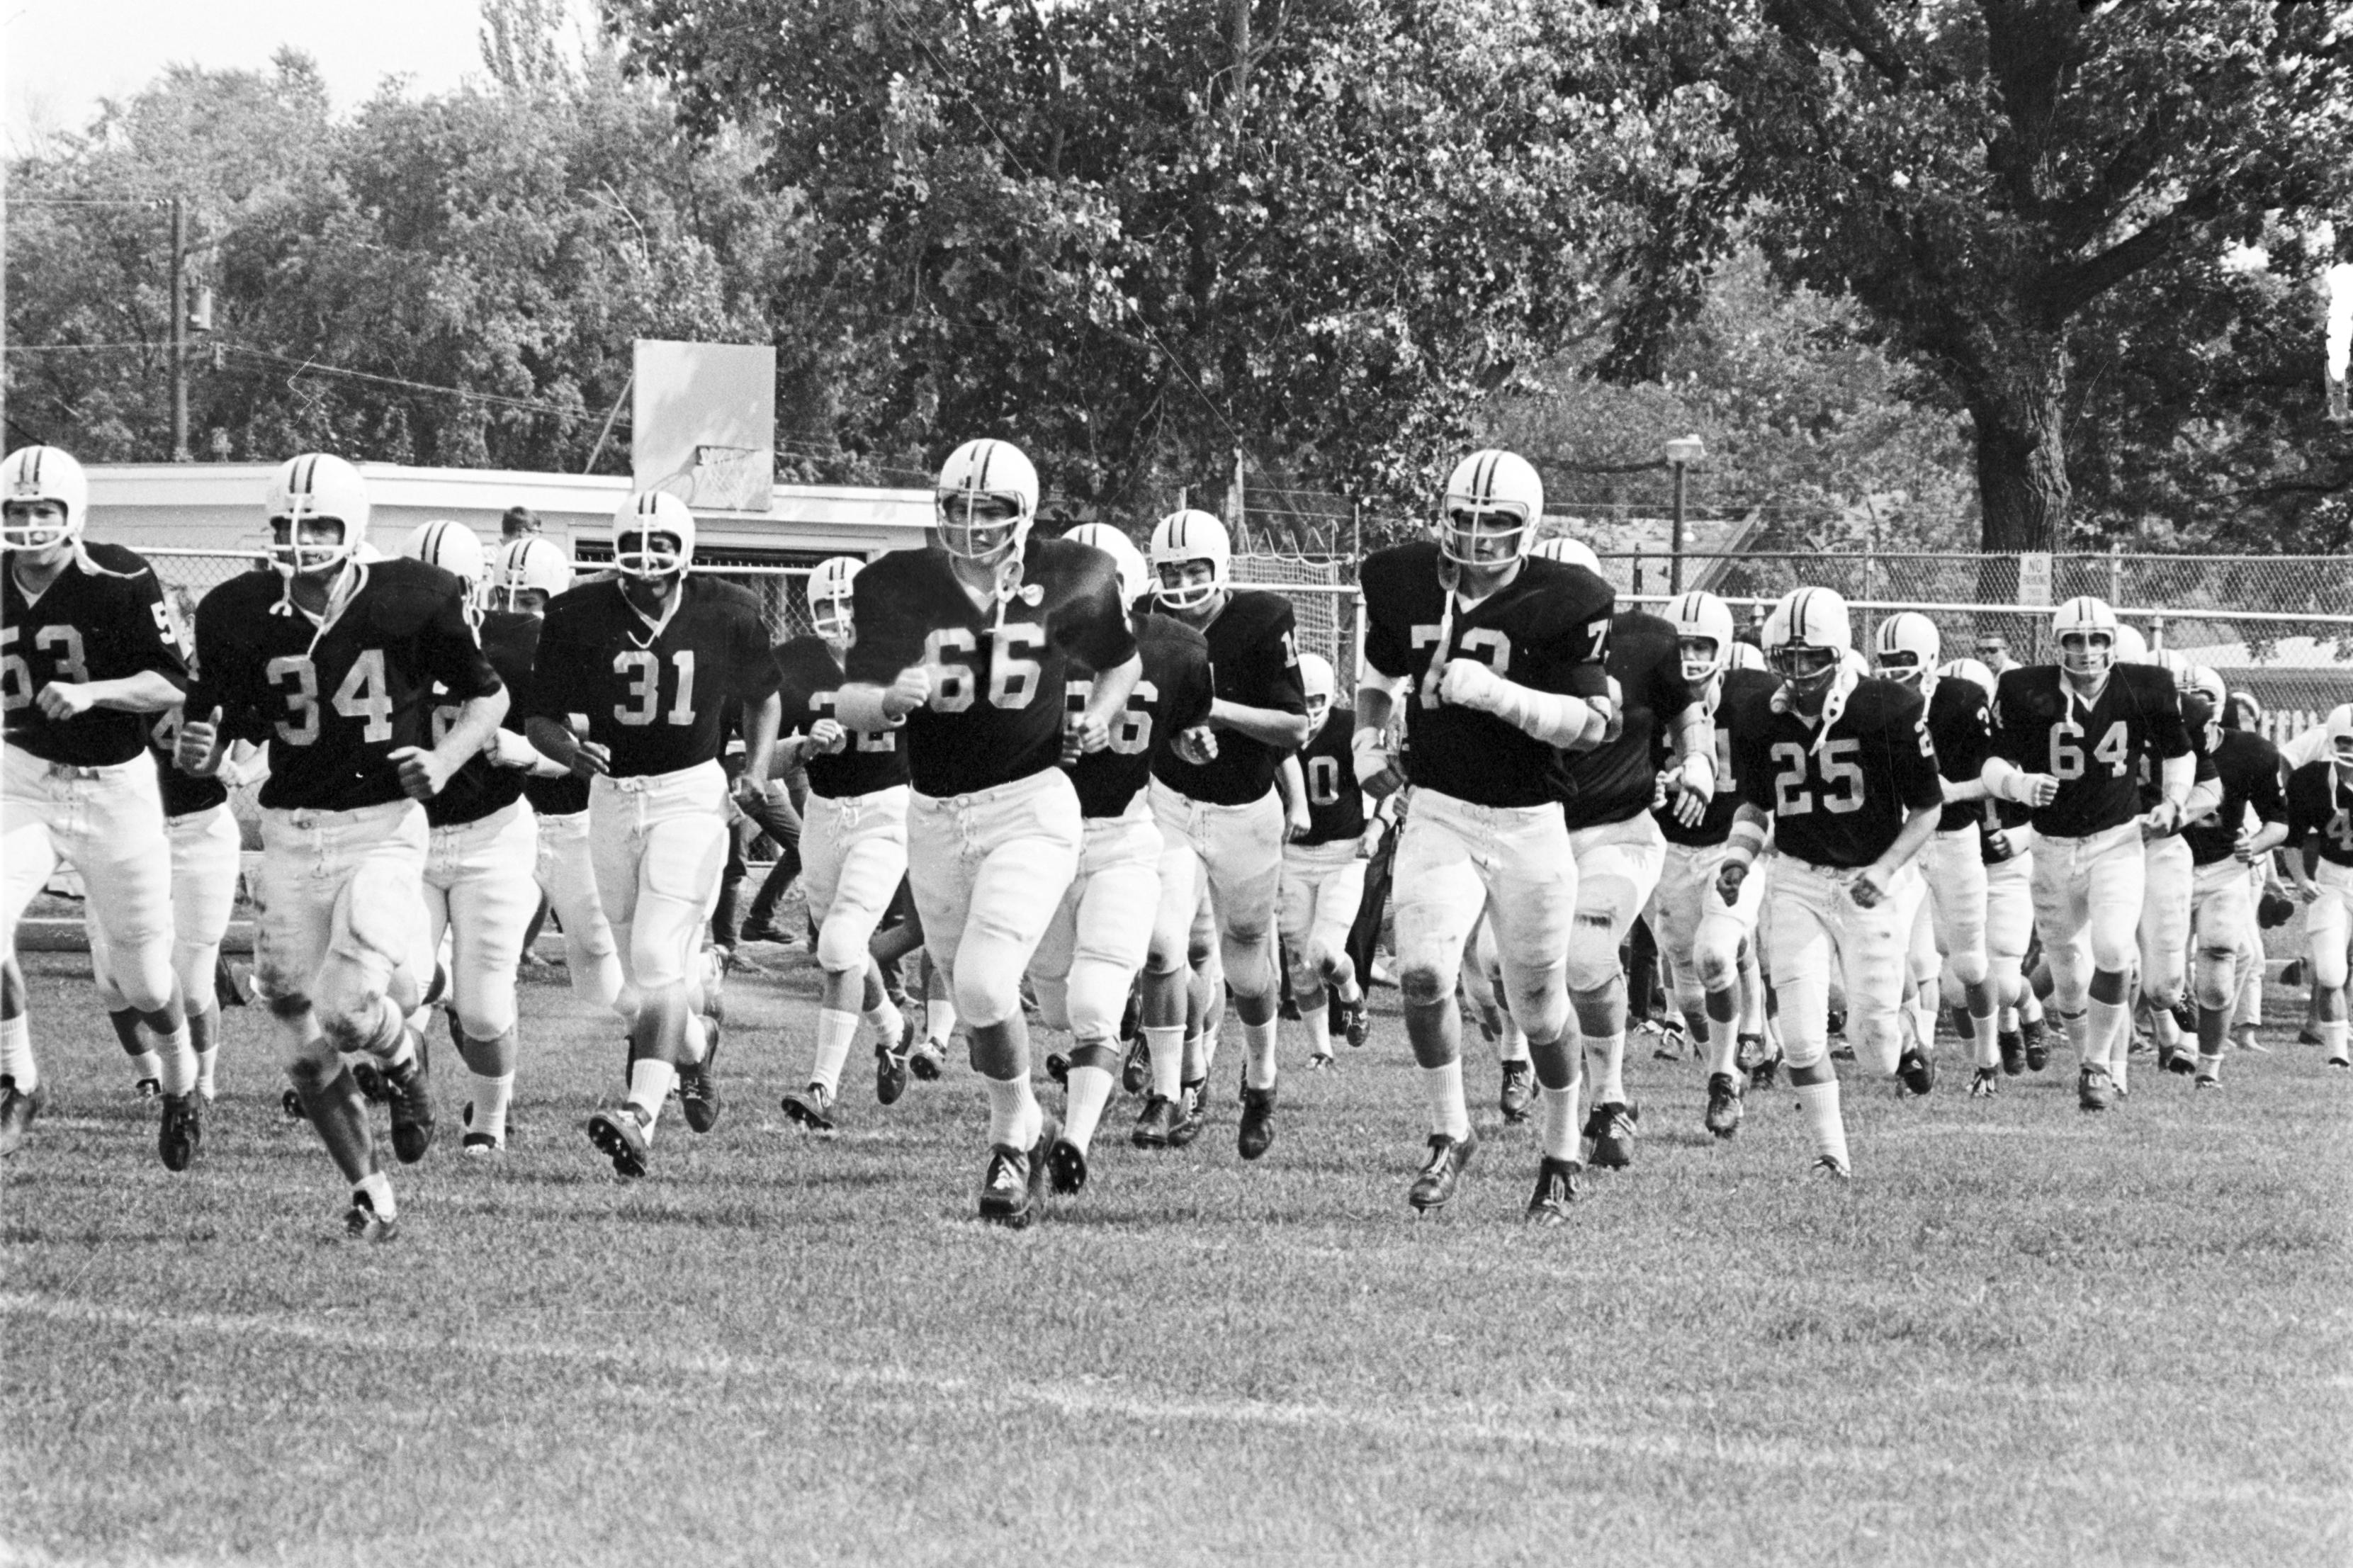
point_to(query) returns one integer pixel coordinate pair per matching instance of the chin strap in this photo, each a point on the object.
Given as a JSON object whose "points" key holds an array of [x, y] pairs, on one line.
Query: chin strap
{"points": [[1842, 684]]}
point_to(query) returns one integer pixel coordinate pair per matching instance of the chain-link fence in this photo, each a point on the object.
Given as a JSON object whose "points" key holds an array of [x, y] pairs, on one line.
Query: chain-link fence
{"points": [[2277, 627]]}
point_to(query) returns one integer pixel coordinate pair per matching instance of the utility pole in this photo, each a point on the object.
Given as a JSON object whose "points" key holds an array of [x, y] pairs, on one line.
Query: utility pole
{"points": [[180, 453]]}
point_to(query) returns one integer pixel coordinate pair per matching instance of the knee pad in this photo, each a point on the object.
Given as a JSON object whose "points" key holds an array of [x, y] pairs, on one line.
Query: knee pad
{"points": [[984, 996], [1592, 952], [488, 1017], [1969, 966], [374, 1026], [1053, 1002], [1422, 983], [1249, 964], [1097, 998], [839, 949], [2216, 978]]}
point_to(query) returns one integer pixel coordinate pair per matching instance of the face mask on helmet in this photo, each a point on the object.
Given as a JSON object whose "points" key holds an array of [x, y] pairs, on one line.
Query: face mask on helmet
{"points": [[1492, 506], [1807, 669], [2340, 746], [831, 599], [1315, 679], [978, 526], [1192, 560], [1702, 659], [318, 511], [985, 498], [531, 571], [2086, 632], [44, 498], [1134, 577], [1808, 638], [641, 553], [1908, 647]]}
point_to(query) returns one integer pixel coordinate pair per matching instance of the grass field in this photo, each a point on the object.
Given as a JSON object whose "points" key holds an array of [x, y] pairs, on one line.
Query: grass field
{"points": [[2021, 1335]]}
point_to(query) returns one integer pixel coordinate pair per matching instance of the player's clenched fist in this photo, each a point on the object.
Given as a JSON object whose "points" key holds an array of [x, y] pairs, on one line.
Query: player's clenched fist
{"points": [[194, 752], [909, 692], [422, 773], [1728, 878], [1467, 683], [828, 736]]}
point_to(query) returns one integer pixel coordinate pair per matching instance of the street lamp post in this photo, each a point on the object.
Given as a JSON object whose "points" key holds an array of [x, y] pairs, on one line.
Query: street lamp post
{"points": [[1681, 453]]}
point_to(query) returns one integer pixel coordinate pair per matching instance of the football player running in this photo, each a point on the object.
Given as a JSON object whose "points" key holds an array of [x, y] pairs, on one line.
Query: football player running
{"points": [[2169, 890], [853, 849], [1709, 943], [1842, 771], [2320, 863], [482, 883], [654, 657], [1097, 942], [1606, 794], [969, 643], [530, 572], [1960, 726], [2224, 848], [2069, 741], [1323, 868], [89, 656], [1504, 653], [1222, 822], [333, 658]]}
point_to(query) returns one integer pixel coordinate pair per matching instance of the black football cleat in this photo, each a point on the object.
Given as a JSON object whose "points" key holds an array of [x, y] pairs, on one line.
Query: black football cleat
{"points": [[927, 1061], [290, 1102], [1191, 1116], [1916, 1070], [1353, 1025], [1066, 1167], [478, 1145], [620, 1137], [1257, 1134], [811, 1107], [17, 1108], [1610, 1128], [1556, 1189], [1831, 1168], [2205, 1080], [698, 1087], [2095, 1090], [181, 1132], [1135, 1070], [369, 1076], [1724, 1105], [1442, 1172], [2013, 1052], [1983, 1082], [2034, 1035], [1154, 1126], [1518, 1091], [148, 1089], [1764, 1071], [362, 1223], [411, 1096], [1009, 1187], [2180, 1062], [891, 1059], [1058, 1068]]}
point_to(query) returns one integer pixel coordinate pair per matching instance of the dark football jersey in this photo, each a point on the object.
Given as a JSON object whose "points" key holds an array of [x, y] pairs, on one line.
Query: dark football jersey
{"points": [[655, 694], [2320, 809], [1737, 689], [808, 677], [2004, 816], [1839, 798], [183, 793], [2094, 751], [101, 619], [335, 700], [479, 789], [563, 795], [1615, 781], [1171, 696], [2248, 767], [1256, 663], [1548, 629], [998, 668], [1961, 725], [1327, 765]]}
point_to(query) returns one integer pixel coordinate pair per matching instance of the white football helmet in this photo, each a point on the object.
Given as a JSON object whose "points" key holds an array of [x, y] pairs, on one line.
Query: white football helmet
{"points": [[40, 474], [2208, 684], [986, 500], [1487, 484], [2131, 647], [1315, 676], [451, 546], [1573, 552], [2173, 664], [1183, 537], [637, 532], [1967, 670], [2340, 734], [2091, 626], [1907, 645], [829, 597], [1134, 577], [1745, 656], [1808, 637], [532, 564], [310, 487], [1703, 628]]}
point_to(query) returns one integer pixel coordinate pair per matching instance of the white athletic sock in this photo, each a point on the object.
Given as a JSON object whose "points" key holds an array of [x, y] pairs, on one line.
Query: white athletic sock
{"points": [[1605, 1068], [145, 1064], [835, 1031], [887, 1023], [939, 1020], [1820, 1101], [1514, 1046], [1924, 1027], [1318, 1022], [1442, 1087], [492, 1096], [650, 1082], [378, 1187], [2107, 1036], [1258, 1054], [2008, 1020], [2029, 1007], [2210, 1067], [1196, 1060], [1014, 1117], [1559, 1120], [177, 1057], [1166, 1044], [1722, 1048], [17, 1052], [1090, 1092], [697, 1037], [1985, 1031], [2333, 1038]]}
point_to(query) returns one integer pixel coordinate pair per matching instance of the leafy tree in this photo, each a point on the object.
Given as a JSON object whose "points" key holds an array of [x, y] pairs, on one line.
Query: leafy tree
{"points": [[1993, 180]]}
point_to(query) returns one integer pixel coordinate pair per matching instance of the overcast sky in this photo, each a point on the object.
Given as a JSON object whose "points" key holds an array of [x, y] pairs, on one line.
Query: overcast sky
{"points": [[63, 56]]}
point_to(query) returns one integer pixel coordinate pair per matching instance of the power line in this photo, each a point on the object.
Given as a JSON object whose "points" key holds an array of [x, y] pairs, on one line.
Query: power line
{"points": [[76, 348]]}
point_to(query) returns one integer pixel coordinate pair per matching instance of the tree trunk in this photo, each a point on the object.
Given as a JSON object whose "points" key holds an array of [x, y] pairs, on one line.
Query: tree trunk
{"points": [[2023, 491]]}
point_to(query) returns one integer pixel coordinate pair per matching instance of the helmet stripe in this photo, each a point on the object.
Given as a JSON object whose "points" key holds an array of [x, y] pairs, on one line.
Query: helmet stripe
{"points": [[33, 470], [987, 455]]}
